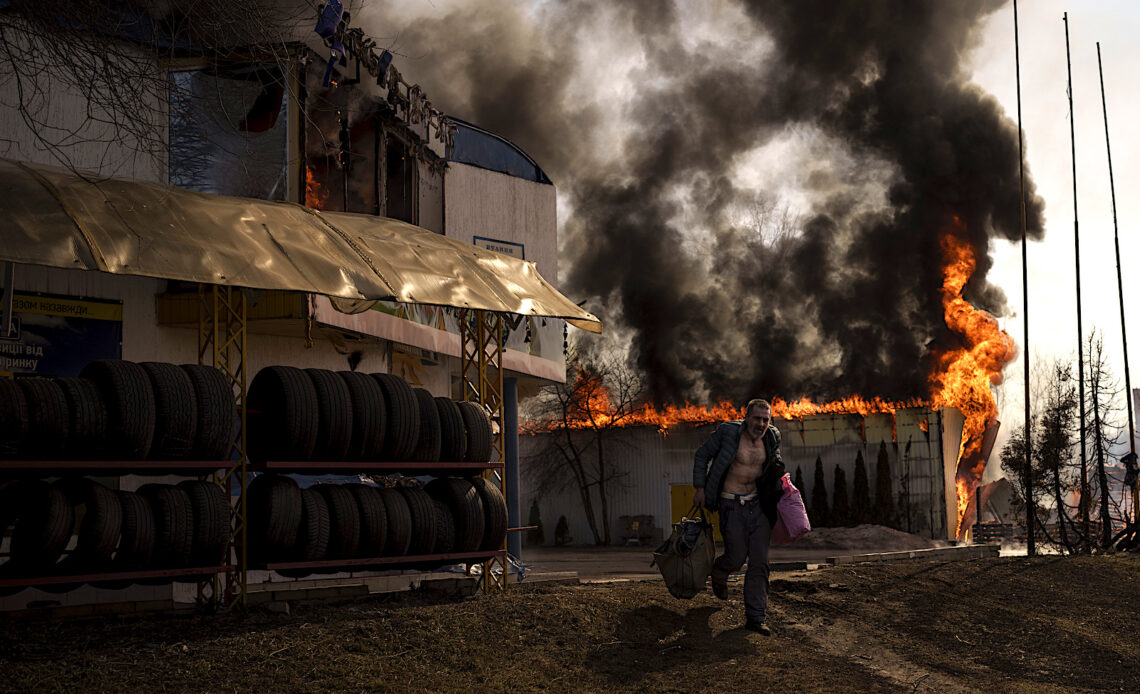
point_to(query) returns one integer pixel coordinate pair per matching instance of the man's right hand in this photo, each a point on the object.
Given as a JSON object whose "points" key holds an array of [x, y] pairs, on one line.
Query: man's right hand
{"points": [[699, 498]]}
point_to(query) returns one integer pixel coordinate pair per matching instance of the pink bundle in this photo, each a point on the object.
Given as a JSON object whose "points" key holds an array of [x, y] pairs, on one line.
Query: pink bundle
{"points": [[792, 522]]}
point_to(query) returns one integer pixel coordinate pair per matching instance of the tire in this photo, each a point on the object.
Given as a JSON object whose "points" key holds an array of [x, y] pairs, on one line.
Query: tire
{"points": [[344, 521], [428, 448], [273, 517], [13, 419], [369, 416], [460, 496], [41, 519], [423, 516], [478, 427], [403, 418], [99, 516], [334, 415], [217, 425], [173, 527], [176, 411], [10, 511], [211, 508], [495, 514], [373, 520], [445, 529], [98, 519], [399, 517], [285, 419], [89, 417], [453, 437], [48, 418], [136, 541], [313, 538], [127, 393], [43, 529]]}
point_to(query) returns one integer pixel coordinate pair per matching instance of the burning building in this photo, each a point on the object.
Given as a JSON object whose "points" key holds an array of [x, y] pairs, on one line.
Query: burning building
{"points": [[652, 467], [651, 461], [938, 445]]}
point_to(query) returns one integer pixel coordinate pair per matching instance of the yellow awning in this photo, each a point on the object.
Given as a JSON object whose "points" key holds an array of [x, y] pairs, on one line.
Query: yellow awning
{"points": [[58, 218]]}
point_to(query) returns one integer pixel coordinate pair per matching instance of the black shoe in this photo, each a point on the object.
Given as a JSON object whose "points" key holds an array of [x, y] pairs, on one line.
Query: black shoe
{"points": [[759, 627], [720, 589]]}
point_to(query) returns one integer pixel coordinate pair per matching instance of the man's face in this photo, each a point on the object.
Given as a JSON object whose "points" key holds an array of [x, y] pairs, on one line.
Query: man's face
{"points": [[757, 421]]}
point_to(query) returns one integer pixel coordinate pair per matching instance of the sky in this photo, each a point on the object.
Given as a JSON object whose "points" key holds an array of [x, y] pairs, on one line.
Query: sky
{"points": [[1045, 119]]}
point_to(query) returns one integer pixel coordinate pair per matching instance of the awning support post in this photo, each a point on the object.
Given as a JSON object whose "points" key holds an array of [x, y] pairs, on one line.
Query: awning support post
{"points": [[222, 313], [481, 373]]}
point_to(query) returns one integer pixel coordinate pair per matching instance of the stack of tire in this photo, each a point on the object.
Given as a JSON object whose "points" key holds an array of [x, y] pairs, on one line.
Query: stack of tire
{"points": [[340, 522], [159, 526], [319, 415], [120, 410]]}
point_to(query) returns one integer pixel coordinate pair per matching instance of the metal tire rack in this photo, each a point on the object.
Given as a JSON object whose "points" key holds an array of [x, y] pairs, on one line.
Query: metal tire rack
{"points": [[222, 313], [222, 343], [222, 322], [208, 582]]}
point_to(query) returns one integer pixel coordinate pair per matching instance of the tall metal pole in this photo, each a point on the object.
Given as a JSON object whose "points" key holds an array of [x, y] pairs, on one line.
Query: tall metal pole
{"points": [[1080, 329], [1119, 281], [1030, 546], [511, 464]]}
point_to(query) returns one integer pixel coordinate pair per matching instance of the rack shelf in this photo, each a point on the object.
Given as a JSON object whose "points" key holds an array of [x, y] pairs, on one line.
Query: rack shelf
{"points": [[32, 582], [46, 468], [385, 562], [363, 466]]}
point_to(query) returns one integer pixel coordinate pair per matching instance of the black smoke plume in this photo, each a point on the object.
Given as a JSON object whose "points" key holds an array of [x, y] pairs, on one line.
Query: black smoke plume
{"points": [[843, 299]]}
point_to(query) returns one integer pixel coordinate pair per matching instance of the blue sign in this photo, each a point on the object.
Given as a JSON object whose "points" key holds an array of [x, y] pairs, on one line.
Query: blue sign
{"points": [[59, 335]]}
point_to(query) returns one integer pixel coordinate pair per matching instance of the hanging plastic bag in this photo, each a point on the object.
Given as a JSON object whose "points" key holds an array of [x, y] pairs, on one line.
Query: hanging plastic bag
{"points": [[685, 559], [791, 517]]}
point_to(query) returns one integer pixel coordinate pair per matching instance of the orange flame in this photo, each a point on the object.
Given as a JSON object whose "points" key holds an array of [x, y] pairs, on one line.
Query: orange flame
{"points": [[962, 485], [964, 376], [315, 194], [594, 410]]}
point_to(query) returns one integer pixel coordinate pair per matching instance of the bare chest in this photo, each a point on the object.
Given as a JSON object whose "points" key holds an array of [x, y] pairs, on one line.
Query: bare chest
{"points": [[751, 454], [746, 466]]}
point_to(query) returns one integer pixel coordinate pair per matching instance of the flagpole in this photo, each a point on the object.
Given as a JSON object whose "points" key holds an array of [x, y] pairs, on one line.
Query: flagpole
{"points": [[1119, 281], [1029, 510]]}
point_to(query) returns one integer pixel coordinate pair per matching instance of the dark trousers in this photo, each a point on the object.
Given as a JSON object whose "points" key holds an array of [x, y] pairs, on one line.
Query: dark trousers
{"points": [[746, 535]]}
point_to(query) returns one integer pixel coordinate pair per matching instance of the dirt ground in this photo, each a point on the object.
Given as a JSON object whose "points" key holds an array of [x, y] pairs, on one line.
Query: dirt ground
{"points": [[1011, 624]]}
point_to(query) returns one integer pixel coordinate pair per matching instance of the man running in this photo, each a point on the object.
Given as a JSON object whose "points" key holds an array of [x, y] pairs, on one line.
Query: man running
{"points": [[737, 473]]}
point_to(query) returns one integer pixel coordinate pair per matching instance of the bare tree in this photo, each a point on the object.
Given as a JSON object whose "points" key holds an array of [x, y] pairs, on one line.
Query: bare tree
{"points": [[1056, 439], [1105, 432], [1058, 476], [111, 55], [575, 422], [1055, 471]]}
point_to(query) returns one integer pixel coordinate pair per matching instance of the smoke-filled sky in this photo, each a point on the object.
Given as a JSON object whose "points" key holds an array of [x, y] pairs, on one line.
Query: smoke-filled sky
{"points": [[752, 193]]}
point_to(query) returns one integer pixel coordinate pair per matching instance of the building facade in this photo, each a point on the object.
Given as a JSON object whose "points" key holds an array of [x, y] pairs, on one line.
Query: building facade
{"points": [[653, 472]]}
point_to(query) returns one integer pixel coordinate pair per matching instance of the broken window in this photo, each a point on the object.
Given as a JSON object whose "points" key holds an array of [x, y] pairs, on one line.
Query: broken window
{"points": [[228, 131], [400, 192]]}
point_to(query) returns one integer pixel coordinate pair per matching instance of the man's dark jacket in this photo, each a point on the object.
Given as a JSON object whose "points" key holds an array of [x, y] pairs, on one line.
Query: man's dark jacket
{"points": [[721, 450]]}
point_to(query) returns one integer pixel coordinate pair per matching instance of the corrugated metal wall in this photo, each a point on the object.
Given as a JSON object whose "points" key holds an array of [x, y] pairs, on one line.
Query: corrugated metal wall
{"points": [[649, 464]]}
